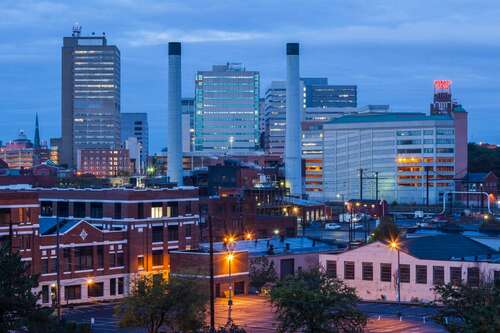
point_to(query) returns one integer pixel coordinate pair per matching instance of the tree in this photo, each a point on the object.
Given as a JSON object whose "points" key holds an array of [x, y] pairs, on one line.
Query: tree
{"points": [[470, 309], [18, 304], [312, 302], [386, 230], [155, 302], [261, 272], [482, 159]]}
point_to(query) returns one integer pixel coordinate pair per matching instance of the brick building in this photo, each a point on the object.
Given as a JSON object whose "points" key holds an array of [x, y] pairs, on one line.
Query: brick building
{"points": [[106, 236], [104, 162], [196, 263]]}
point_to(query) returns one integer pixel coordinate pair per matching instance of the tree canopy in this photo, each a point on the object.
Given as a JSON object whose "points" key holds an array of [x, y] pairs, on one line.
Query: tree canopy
{"points": [[482, 159], [470, 309], [312, 302], [18, 304], [386, 230], [261, 272], [154, 302]]}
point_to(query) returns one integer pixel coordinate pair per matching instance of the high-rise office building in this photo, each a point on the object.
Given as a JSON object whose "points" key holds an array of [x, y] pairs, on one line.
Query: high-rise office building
{"points": [[90, 95], [227, 109], [187, 105], [320, 102], [318, 93], [135, 125], [275, 118]]}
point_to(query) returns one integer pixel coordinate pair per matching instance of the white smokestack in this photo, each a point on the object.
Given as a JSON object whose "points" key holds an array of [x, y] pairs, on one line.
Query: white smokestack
{"points": [[174, 119], [293, 160]]}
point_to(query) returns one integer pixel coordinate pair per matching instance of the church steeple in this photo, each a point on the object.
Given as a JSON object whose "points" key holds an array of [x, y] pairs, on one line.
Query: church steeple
{"points": [[37, 133]]}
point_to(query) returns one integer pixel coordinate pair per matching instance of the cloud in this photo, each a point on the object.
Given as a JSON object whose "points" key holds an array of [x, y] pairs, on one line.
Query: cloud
{"points": [[149, 37]]}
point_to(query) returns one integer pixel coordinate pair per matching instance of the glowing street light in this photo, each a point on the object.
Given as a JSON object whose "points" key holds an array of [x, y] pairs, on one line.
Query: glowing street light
{"points": [[276, 231], [394, 245]]}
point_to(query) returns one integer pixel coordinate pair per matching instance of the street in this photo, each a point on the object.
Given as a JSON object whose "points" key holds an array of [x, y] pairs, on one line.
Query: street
{"points": [[254, 313]]}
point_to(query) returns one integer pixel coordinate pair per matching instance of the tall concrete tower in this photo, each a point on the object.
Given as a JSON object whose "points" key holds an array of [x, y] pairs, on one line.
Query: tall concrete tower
{"points": [[174, 119], [293, 163]]}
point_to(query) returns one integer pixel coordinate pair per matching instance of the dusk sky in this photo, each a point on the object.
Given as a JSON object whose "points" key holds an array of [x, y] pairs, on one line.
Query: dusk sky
{"points": [[392, 50]]}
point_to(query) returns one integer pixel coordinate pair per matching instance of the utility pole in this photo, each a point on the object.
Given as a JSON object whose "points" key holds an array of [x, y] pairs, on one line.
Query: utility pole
{"points": [[427, 185], [360, 184], [376, 185], [11, 233], [58, 267], [211, 264]]}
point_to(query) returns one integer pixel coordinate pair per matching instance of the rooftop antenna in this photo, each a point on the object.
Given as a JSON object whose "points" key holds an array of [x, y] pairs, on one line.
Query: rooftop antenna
{"points": [[77, 29]]}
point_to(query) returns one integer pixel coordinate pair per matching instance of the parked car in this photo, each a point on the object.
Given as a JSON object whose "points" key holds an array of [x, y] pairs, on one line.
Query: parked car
{"points": [[332, 226]]}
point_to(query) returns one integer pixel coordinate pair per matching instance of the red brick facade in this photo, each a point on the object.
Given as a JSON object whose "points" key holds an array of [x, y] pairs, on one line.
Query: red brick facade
{"points": [[106, 236]]}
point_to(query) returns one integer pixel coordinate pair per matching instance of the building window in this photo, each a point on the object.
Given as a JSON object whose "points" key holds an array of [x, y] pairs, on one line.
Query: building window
{"points": [[120, 286], [96, 211], [96, 289], [62, 209], [73, 292], [112, 286], [456, 275], [157, 257], [349, 270], [156, 210], [473, 276], [79, 209], [140, 210], [46, 208], [140, 262], [100, 256], [367, 271], [421, 274], [26, 242], [187, 230], [385, 272], [173, 233], [173, 209], [67, 260], [157, 234], [118, 210], [116, 259], [53, 265], [45, 294], [438, 275], [331, 268], [404, 273], [287, 267], [45, 266], [84, 257]]}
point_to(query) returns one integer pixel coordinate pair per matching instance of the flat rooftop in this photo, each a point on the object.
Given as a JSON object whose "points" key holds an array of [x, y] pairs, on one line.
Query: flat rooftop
{"points": [[259, 247]]}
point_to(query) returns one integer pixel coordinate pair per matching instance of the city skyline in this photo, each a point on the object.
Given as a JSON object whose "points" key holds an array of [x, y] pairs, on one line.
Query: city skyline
{"points": [[392, 55]]}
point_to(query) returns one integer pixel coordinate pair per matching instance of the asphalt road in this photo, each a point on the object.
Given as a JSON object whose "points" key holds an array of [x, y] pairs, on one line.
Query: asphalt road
{"points": [[255, 314]]}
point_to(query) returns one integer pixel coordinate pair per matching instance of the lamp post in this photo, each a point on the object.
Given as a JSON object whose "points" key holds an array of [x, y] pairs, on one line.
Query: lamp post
{"points": [[395, 246], [230, 257]]}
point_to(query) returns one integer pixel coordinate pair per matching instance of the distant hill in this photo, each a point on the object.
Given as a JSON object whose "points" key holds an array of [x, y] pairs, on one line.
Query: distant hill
{"points": [[482, 159]]}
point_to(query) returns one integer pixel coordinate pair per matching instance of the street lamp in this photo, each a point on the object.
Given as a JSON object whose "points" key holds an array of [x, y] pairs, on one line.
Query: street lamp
{"points": [[230, 243], [394, 245]]}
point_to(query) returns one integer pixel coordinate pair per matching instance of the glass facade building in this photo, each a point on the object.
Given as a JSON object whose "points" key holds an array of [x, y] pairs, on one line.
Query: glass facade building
{"points": [[227, 109], [90, 95]]}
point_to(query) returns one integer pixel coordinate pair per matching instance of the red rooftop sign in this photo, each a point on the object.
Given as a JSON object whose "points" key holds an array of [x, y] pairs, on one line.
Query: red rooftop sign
{"points": [[442, 84]]}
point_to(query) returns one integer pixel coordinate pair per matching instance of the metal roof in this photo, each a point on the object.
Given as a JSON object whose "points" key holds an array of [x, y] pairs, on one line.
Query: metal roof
{"points": [[387, 117], [445, 247]]}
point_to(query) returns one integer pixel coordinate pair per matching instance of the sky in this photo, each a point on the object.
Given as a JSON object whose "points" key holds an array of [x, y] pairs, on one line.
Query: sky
{"points": [[392, 50]]}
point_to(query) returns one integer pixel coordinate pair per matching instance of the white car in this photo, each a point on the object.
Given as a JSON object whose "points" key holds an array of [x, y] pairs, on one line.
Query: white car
{"points": [[332, 226]]}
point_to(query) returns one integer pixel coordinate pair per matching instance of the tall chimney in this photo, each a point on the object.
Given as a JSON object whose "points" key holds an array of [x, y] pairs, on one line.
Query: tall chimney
{"points": [[293, 160], [174, 119]]}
